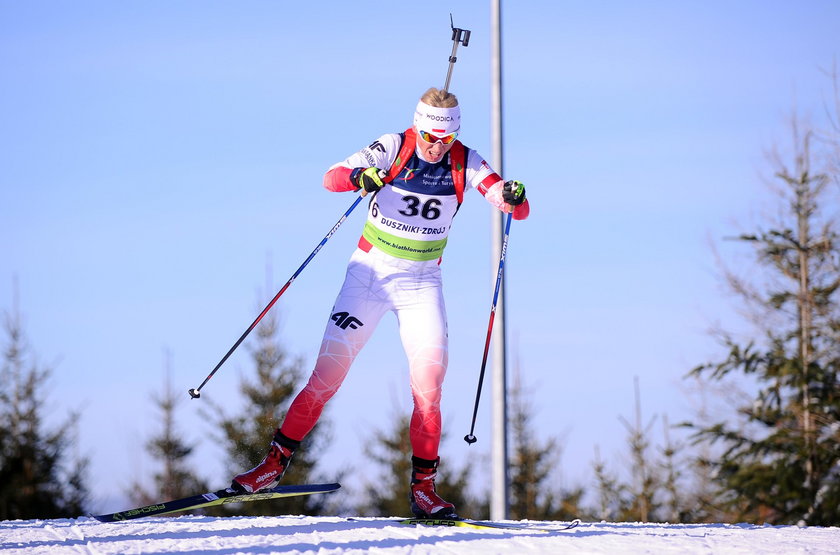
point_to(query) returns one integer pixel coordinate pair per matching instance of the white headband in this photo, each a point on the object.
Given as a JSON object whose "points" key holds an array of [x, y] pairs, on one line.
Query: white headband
{"points": [[440, 121]]}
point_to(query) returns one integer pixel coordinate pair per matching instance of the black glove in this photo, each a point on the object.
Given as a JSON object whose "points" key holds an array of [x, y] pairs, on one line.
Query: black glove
{"points": [[514, 193], [367, 179]]}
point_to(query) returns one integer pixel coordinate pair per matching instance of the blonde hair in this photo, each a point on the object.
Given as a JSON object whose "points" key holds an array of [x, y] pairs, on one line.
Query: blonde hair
{"points": [[439, 99]]}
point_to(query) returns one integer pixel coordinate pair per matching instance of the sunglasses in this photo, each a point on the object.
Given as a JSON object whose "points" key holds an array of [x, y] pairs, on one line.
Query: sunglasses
{"points": [[445, 139]]}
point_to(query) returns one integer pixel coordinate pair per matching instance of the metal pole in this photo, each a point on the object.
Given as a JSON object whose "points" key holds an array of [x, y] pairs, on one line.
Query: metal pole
{"points": [[499, 502], [459, 36]]}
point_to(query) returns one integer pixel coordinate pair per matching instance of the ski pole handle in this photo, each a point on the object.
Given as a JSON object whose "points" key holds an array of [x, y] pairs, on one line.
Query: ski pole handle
{"points": [[382, 175]]}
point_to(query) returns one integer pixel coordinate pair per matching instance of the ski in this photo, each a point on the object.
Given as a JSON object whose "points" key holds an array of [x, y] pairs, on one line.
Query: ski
{"points": [[220, 497], [484, 524], [479, 524]]}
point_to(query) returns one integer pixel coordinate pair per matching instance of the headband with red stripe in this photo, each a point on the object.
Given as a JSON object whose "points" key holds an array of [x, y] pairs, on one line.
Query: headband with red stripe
{"points": [[439, 121]]}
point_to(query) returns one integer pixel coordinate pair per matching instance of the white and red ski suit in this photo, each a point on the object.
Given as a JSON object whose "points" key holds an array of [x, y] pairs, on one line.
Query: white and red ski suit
{"points": [[396, 267]]}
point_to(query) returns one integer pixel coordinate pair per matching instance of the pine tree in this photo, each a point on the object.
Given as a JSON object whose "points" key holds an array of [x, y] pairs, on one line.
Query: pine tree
{"points": [[246, 436], [673, 508], [646, 482], [703, 499], [781, 460], [656, 491], [37, 479], [389, 494], [175, 479], [634, 501], [531, 468], [613, 498]]}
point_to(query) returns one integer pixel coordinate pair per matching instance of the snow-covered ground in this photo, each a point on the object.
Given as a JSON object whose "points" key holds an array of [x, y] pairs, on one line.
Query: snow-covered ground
{"points": [[291, 534]]}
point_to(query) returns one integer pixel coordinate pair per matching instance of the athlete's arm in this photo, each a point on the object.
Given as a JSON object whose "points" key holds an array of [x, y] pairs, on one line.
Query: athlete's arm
{"points": [[486, 181], [379, 154]]}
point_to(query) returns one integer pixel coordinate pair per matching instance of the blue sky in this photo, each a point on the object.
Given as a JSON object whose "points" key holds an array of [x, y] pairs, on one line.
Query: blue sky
{"points": [[156, 158]]}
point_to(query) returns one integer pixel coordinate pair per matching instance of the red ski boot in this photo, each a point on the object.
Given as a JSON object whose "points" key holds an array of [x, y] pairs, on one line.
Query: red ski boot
{"points": [[425, 502], [268, 473]]}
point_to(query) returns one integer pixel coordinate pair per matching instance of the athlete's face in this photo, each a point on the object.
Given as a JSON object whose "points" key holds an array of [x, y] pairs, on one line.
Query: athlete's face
{"points": [[432, 152]]}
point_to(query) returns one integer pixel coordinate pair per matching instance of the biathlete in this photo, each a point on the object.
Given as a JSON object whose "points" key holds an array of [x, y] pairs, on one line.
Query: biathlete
{"points": [[416, 181]]}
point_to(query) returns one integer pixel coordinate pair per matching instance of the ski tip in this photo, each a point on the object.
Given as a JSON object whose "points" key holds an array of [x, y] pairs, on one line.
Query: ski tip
{"points": [[304, 488], [333, 486], [327, 488]]}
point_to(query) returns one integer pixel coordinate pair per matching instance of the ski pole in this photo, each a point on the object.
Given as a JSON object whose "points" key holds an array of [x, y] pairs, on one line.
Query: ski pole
{"points": [[195, 393], [459, 36], [470, 438]]}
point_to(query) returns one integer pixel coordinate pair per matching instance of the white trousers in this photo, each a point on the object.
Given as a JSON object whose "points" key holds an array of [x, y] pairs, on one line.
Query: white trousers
{"points": [[375, 284]]}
